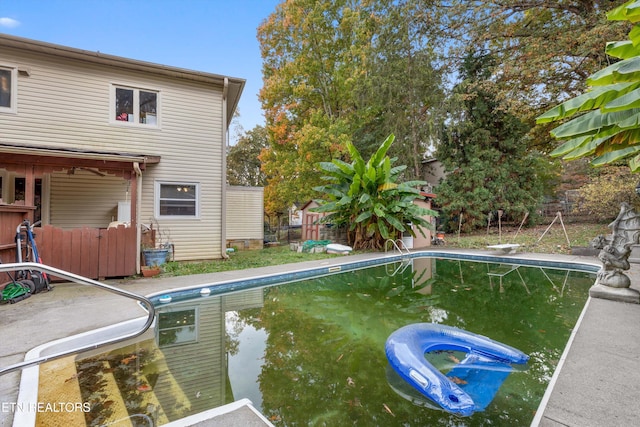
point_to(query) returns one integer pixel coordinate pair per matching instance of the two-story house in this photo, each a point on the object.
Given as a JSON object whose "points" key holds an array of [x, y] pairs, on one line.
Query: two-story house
{"points": [[89, 140]]}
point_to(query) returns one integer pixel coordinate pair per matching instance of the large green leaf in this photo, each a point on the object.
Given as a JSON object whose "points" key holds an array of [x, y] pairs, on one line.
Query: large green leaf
{"points": [[345, 167], [326, 207], [629, 11], [570, 145], [634, 35], [384, 230], [354, 188], [595, 98], [630, 122], [371, 175], [396, 170], [364, 216], [329, 167], [382, 151], [585, 149], [379, 210], [622, 49], [623, 102], [395, 223], [627, 70], [634, 164], [591, 123], [344, 201], [357, 161], [616, 155]]}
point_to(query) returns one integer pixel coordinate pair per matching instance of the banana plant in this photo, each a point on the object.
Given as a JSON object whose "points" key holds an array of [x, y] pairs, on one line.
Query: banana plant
{"points": [[608, 127], [367, 198]]}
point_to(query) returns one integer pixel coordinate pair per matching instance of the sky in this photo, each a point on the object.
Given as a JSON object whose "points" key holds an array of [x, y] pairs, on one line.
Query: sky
{"points": [[213, 36]]}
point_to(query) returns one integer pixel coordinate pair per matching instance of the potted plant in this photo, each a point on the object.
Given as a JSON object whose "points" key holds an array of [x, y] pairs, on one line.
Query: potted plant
{"points": [[156, 250], [150, 271]]}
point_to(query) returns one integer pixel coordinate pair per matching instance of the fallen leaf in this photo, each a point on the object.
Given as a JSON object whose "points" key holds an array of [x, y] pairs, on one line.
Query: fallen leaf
{"points": [[72, 377], [457, 380], [386, 408], [453, 358], [129, 359], [350, 382]]}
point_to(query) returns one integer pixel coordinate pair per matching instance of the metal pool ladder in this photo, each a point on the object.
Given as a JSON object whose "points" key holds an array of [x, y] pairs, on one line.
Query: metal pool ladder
{"points": [[148, 305], [398, 245]]}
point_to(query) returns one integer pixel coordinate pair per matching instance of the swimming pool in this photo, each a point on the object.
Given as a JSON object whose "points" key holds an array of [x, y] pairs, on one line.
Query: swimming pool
{"points": [[312, 351]]}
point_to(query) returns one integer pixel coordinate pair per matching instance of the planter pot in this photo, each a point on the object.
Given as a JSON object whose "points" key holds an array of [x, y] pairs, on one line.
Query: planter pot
{"points": [[150, 271], [155, 256]]}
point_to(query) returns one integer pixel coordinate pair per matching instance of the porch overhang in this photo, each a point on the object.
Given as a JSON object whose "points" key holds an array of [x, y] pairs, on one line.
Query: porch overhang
{"points": [[57, 156]]}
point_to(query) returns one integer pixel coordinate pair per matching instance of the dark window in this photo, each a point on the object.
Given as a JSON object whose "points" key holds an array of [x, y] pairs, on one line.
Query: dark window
{"points": [[5, 88], [178, 199]]}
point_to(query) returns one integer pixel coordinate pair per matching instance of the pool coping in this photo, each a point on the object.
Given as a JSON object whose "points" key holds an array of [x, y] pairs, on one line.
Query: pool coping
{"points": [[30, 376], [191, 292]]}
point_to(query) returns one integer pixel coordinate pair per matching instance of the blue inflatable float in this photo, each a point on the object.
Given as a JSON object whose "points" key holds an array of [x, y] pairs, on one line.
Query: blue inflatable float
{"points": [[479, 375]]}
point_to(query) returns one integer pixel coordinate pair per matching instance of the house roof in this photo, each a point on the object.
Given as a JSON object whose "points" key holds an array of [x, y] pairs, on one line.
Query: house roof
{"points": [[234, 85]]}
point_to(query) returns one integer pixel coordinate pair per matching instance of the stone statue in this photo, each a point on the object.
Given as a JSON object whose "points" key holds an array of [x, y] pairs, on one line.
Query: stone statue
{"points": [[616, 248]]}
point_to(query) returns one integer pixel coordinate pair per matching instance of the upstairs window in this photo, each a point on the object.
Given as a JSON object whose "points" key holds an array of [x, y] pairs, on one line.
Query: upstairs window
{"points": [[137, 106], [7, 90], [177, 199]]}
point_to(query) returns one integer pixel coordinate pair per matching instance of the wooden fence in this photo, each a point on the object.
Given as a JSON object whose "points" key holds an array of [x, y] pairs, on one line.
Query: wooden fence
{"points": [[95, 253]]}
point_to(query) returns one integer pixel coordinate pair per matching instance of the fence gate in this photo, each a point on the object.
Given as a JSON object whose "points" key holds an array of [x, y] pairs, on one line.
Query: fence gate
{"points": [[90, 252], [310, 229]]}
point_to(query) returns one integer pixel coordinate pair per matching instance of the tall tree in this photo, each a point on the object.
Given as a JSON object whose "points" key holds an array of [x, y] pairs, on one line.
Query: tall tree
{"points": [[485, 155], [243, 163], [338, 71], [544, 50], [404, 85], [311, 58]]}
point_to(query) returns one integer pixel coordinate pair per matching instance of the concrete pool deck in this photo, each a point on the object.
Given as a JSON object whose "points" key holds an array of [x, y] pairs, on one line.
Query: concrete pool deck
{"points": [[597, 383]]}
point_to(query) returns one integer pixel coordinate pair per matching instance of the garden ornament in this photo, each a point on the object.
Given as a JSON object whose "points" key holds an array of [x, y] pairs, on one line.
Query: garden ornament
{"points": [[616, 248]]}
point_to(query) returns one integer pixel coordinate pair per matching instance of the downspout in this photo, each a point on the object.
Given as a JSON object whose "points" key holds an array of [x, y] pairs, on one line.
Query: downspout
{"points": [[223, 213], [138, 171]]}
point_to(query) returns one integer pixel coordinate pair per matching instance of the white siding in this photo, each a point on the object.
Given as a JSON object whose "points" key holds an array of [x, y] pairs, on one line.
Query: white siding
{"points": [[245, 213], [85, 199], [66, 103]]}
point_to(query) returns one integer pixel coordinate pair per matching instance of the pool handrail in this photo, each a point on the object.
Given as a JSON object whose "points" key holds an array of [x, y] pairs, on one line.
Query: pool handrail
{"points": [[397, 247], [148, 306]]}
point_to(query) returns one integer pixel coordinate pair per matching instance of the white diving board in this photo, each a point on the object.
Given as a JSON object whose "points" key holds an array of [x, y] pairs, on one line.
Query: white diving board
{"points": [[507, 248]]}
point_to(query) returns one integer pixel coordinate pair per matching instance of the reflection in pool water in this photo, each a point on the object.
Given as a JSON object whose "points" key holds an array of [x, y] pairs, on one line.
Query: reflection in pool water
{"points": [[312, 352]]}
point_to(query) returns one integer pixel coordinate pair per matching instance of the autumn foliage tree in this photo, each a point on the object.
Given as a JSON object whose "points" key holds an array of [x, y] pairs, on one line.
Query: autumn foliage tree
{"points": [[337, 71], [311, 60], [243, 163]]}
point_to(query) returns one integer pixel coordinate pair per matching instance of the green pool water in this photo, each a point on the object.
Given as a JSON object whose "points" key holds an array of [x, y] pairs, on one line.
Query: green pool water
{"points": [[312, 352]]}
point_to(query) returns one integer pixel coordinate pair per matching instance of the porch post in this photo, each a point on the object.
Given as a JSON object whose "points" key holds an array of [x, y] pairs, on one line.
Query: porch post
{"points": [[29, 190], [136, 201]]}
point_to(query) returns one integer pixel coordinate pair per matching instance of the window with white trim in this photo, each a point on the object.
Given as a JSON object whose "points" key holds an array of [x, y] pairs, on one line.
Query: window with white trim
{"points": [[8, 89], [177, 199], [177, 327], [133, 105]]}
